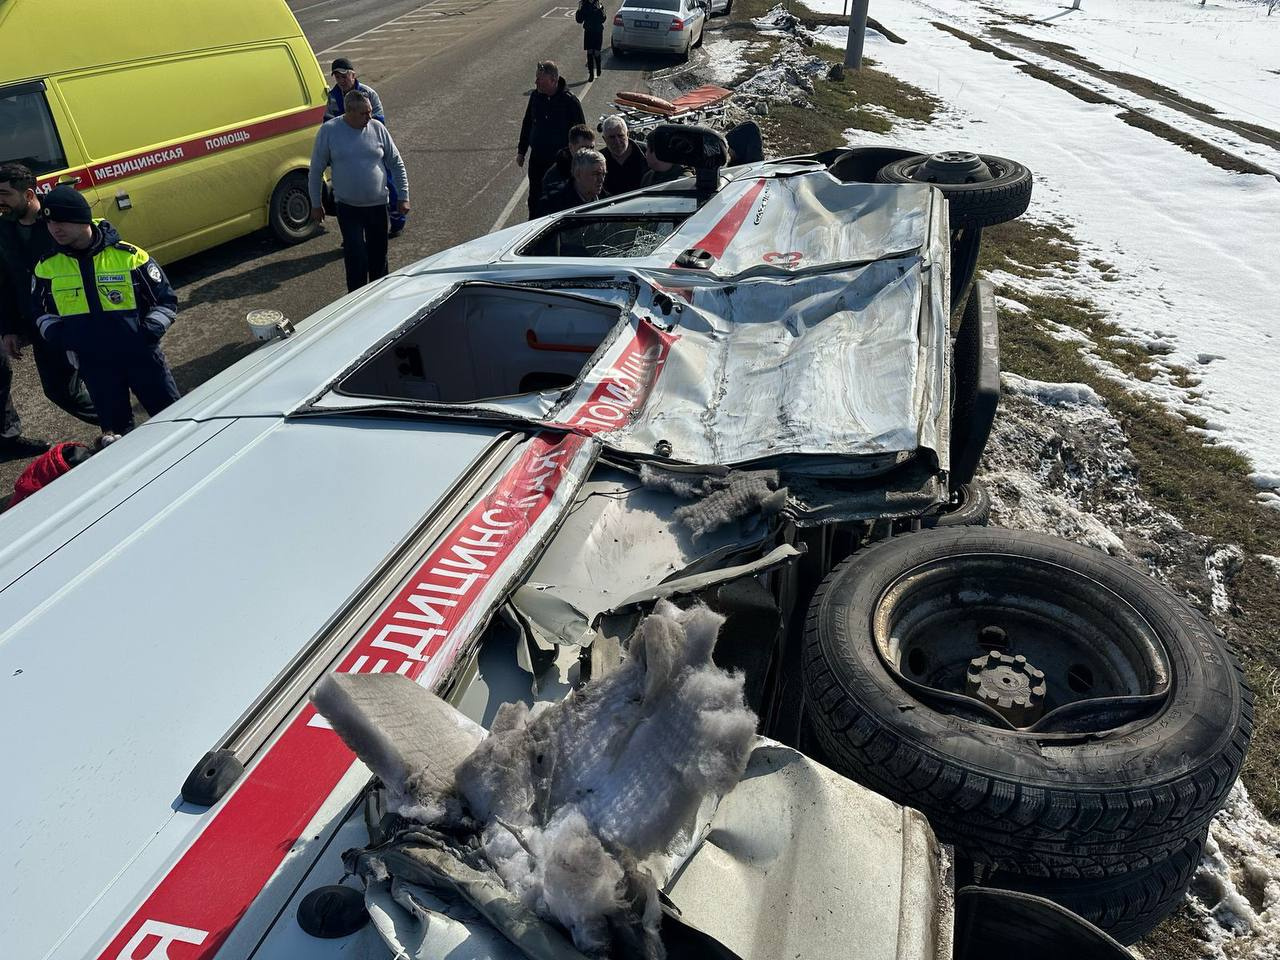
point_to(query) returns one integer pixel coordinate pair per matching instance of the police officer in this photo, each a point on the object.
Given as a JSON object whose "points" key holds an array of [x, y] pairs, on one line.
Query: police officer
{"points": [[109, 303]]}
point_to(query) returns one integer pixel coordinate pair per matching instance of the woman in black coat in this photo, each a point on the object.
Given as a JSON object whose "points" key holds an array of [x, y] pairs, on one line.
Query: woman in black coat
{"points": [[591, 15]]}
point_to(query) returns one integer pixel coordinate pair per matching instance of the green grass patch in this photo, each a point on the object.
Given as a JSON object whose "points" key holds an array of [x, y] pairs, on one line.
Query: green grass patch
{"points": [[1201, 148], [838, 105]]}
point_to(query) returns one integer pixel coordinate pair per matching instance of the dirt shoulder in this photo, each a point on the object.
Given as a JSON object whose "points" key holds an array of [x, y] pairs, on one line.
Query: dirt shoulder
{"points": [[1131, 476]]}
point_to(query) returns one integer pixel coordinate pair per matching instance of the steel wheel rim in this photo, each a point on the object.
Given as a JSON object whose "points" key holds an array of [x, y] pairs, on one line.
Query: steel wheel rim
{"points": [[1103, 661]]}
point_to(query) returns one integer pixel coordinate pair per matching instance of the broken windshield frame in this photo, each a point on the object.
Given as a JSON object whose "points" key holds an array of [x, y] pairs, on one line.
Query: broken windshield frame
{"points": [[612, 235]]}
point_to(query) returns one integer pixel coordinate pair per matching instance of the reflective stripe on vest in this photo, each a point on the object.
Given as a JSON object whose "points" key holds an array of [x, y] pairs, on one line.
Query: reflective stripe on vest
{"points": [[113, 270]]}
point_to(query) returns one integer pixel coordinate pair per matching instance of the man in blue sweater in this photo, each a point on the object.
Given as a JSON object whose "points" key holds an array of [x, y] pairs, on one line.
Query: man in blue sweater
{"points": [[360, 153], [344, 81]]}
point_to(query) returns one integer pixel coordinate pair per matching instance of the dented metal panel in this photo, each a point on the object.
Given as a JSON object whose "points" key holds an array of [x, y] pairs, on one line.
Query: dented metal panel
{"points": [[797, 222], [832, 364], [800, 862]]}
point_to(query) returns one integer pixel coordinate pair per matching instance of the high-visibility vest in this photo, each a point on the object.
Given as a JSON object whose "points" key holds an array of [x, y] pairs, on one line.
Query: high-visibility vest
{"points": [[80, 288]]}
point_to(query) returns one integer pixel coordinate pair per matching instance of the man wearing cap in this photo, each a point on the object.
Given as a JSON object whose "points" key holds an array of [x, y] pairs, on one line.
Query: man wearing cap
{"points": [[109, 303], [25, 241], [359, 151], [344, 81]]}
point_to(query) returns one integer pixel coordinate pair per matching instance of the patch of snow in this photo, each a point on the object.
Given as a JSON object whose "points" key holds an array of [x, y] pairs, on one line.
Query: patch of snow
{"points": [[724, 63], [1219, 54], [1050, 393], [1222, 566], [1236, 890], [1062, 332], [791, 72], [1272, 562], [1119, 211], [838, 37]]}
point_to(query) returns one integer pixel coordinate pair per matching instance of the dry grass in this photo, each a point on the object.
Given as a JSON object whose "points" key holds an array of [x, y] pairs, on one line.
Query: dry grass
{"points": [[1205, 487]]}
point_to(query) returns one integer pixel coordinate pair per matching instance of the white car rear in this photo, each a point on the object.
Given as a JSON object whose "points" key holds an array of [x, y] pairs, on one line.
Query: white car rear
{"points": [[664, 26]]}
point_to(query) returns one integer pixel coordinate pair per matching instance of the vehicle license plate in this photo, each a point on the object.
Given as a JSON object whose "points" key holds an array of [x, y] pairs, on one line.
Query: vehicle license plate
{"points": [[648, 24]]}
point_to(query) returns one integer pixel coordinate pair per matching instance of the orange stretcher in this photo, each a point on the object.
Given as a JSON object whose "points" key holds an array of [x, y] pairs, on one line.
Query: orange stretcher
{"points": [[694, 101]]}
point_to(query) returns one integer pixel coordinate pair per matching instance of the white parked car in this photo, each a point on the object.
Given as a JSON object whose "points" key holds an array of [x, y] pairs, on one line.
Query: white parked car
{"points": [[482, 471], [663, 26]]}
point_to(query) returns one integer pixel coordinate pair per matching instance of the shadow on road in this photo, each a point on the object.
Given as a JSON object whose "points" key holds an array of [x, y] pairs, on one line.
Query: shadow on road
{"points": [[262, 277]]}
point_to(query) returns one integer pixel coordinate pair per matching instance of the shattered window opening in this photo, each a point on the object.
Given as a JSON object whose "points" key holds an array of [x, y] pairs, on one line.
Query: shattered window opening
{"points": [[486, 342], [600, 237]]}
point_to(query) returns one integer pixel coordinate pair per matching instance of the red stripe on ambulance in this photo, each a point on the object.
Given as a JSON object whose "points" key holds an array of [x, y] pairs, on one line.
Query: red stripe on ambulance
{"points": [[195, 906], [147, 160], [718, 239], [626, 384]]}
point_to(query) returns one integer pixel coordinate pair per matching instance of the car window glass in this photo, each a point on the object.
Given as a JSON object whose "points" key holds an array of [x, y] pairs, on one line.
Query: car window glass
{"points": [[27, 133], [487, 342], [602, 237], [671, 5]]}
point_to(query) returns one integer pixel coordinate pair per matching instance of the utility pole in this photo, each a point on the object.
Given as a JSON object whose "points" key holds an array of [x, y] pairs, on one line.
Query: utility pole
{"points": [[857, 33]]}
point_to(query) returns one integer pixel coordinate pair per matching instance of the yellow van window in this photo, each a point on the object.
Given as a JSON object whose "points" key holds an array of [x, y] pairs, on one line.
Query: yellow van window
{"points": [[27, 133], [133, 106]]}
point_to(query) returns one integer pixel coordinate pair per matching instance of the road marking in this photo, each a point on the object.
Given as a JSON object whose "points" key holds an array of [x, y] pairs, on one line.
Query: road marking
{"points": [[350, 40]]}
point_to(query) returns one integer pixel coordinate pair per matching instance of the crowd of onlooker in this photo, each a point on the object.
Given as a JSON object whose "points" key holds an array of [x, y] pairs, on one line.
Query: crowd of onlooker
{"points": [[92, 307]]}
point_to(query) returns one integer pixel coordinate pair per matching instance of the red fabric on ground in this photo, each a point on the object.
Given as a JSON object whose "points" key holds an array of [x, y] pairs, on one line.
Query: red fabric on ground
{"points": [[44, 469]]}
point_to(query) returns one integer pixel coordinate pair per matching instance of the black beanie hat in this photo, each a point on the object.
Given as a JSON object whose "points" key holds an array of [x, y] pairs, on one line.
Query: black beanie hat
{"points": [[342, 63], [66, 205]]}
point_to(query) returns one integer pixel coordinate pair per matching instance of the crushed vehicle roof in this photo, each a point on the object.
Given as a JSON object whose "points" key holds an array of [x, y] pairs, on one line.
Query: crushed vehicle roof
{"points": [[154, 593]]}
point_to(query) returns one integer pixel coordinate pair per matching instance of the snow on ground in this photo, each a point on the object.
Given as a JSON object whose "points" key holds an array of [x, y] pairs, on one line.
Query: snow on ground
{"points": [[1236, 890], [1223, 54], [1190, 241]]}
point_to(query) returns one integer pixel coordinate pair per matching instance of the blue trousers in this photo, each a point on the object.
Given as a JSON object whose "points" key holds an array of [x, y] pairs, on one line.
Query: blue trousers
{"points": [[109, 379]]}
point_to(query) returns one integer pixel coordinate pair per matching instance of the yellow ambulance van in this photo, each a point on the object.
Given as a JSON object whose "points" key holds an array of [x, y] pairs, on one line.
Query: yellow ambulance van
{"points": [[184, 122]]}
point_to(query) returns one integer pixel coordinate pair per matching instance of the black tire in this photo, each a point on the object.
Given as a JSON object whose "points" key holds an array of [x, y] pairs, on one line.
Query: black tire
{"points": [[619, 51], [728, 8], [702, 34], [970, 507], [1068, 806], [1127, 906], [290, 210], [982, 204]]}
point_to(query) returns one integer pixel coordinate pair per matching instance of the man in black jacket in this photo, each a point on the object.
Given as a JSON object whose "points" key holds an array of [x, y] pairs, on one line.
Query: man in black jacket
{"points": [[558, 174], [625, 157], [24, 241], [585, 184], [552, 111]]}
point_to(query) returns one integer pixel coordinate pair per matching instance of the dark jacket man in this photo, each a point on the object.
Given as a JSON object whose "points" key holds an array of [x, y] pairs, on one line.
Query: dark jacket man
{"points": [[24, 240], [565, 197], [654, 176], [625, 174], [109, 303], [552, 110], [591, 15]]}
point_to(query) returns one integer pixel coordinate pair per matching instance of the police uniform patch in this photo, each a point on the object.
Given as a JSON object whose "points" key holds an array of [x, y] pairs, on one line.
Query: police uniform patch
{"points": [[111, 278], [115, 296], [153, 271]]}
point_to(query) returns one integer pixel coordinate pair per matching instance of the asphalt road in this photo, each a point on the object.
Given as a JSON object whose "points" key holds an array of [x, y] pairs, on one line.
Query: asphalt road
{"points": [[452, 75]]}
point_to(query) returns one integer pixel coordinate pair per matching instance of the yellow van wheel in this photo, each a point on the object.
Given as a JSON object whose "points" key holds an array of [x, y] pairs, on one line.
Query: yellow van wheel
{"points": [[290, 211]]}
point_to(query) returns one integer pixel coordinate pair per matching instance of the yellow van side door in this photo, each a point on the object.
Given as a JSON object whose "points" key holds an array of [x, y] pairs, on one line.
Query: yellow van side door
{"points": [[35, 131], [185, 150]]}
